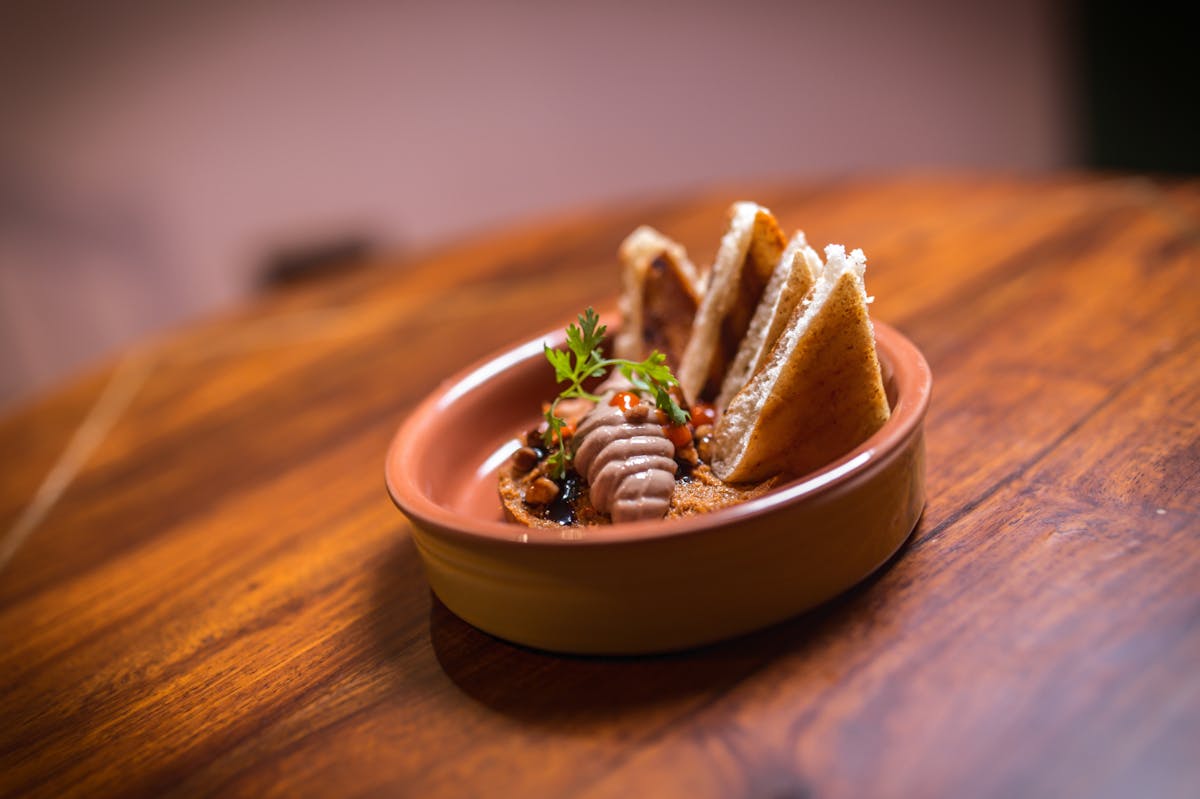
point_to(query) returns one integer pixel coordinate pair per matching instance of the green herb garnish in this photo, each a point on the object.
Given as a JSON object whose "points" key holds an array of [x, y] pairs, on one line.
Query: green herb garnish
{"points": [[583, 360]]}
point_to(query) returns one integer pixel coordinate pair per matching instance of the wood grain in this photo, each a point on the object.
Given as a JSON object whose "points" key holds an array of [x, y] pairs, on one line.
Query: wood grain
{"points": [[222, 601]]}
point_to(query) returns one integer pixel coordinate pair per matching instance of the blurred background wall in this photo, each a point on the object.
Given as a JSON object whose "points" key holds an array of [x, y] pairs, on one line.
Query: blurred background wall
{"points": [[153, 156]]}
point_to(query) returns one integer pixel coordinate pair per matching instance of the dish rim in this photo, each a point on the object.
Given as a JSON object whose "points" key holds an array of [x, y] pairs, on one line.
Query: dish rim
{"points": [[910, 371]]}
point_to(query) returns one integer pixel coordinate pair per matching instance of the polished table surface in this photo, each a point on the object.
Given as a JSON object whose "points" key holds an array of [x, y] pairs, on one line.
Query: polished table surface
{"points": [[204, 589]]}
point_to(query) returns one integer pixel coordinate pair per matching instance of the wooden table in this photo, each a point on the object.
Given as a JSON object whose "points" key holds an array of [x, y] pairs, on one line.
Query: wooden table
{"points": [[204, 589]]}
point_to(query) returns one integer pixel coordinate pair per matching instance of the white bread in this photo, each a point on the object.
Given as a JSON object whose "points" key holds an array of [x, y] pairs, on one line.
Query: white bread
{"points": [[749, 252], [819, 395], [790, 283], [660, 291]]}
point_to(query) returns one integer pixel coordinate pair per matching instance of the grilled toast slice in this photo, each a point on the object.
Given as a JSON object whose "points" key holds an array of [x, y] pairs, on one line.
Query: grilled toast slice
{"points": [[790, 283], [746, 259], [660, 291], [820, 393]]}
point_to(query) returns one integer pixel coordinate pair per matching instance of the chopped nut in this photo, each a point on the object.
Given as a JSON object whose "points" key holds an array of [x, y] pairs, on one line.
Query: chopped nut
{"points": [[703, 430], [638, 413], [525, 459], [533, 438], [541, 492], [704, 447], [688, 455]]}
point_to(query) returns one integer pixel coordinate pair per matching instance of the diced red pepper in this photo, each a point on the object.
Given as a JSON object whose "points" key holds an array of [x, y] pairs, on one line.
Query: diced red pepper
{"points": [[680, 435], [625, 400], [703, 413]]}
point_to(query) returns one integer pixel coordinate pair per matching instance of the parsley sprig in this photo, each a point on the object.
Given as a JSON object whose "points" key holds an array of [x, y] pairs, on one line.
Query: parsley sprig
{"points": [[583, 360]]}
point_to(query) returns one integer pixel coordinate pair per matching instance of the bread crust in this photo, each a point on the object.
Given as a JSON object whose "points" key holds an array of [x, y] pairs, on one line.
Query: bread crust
{"points": [[790, 283], [749, 253], [812, 403], [660, 291]]}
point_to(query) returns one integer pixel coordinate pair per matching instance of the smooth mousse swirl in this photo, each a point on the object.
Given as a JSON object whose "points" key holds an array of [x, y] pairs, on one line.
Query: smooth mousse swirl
{"points": [[630, 467]]}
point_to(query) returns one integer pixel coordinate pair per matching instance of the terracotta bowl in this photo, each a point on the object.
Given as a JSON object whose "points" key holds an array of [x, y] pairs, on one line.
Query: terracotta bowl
{"points": [[646, 586]]}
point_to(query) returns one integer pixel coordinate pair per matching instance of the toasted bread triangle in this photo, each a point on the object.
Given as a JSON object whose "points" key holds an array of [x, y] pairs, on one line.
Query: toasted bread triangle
{"points": [[790, 283], [819, 395], [660, 292], [747, 257]]}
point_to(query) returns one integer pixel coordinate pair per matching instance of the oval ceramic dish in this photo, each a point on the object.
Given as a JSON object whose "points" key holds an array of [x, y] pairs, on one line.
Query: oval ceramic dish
{"points": [[647, 586]]}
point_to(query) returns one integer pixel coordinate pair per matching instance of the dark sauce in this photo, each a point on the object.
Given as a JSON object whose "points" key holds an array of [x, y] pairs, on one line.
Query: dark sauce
{"points": [[562, 509], [683, 471]]}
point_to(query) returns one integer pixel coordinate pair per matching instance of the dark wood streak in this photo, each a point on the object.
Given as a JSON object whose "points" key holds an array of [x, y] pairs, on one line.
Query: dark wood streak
{"points": [[1088, 236], [224, 603], [923, 537], [92, 706], [126, 615]]}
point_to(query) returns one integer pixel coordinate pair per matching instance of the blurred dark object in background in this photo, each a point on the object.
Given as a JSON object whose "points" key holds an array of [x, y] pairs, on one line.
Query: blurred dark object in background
{"points": [[306, 263], [1140, 82]]}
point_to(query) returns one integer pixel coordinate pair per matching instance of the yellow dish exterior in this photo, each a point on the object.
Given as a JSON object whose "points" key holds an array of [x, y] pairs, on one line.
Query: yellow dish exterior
{"points": [[680, 591]]}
